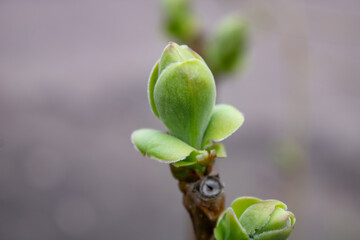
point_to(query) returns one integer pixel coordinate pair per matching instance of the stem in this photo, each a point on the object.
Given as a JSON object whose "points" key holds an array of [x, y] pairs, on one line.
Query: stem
{"points": [[205, 201]]}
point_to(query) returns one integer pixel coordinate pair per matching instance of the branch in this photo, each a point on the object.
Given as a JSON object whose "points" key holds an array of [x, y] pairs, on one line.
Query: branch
{"points": [[205, 201]]}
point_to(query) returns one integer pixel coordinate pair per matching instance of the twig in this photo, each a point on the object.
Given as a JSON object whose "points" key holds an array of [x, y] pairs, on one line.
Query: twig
{"points": [[205, 201]]}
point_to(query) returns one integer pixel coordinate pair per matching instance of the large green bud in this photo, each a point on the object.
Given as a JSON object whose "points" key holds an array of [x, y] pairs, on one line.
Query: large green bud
{"points": [[252, 218], [182, 93]]}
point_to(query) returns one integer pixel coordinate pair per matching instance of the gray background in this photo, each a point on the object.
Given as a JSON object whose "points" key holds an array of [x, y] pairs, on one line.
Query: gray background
{"points": [[73, 78]]}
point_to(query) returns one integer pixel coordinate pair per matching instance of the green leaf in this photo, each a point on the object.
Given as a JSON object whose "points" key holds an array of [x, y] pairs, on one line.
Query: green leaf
{"points": [[173, 53], [219, 149], [185, 96], [151, 85], [292, 217], [160, 146], [242, 203], [258, 214], [229, 228], [279, 219], [191, 159], [282, 234], [224, 121]]}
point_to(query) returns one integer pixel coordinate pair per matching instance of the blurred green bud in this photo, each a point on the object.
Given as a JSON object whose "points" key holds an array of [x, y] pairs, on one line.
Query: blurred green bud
{"points": [[252, 218], [179, 19], [182, 93], [225, 52]]}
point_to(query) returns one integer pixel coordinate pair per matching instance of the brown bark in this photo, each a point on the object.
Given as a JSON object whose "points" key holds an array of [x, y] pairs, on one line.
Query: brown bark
{"points": [[205, 201]]}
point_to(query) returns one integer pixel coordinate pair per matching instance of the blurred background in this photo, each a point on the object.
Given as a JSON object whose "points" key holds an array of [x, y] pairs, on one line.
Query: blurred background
{"points": [[73, 78]]}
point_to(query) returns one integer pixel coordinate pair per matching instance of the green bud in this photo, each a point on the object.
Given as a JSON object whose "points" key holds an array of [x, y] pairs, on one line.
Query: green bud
{"points": [[225, 52], [182, 93], [252, 218], [179, 19]]}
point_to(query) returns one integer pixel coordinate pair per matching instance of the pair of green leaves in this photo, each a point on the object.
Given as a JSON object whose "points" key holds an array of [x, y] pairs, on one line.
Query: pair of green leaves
{"points": [[166, 148], [182, 95]]}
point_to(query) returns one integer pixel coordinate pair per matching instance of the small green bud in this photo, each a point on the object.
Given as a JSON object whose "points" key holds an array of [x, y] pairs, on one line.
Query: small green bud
{"points": [[225, 52], [182, 93], [179, 19], [252, 218]]}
